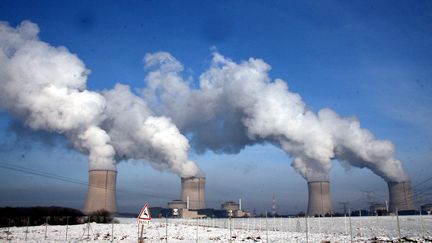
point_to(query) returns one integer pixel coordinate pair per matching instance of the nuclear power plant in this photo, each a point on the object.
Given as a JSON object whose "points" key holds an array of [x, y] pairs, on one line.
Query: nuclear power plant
{"points": [[193, 192], [102, 196], [101, 193], [319, 198], [400, 196]]}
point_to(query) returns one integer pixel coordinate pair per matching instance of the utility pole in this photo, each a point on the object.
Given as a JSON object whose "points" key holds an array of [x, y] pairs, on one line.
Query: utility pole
{"points": [[344, 205], [370, 197]]}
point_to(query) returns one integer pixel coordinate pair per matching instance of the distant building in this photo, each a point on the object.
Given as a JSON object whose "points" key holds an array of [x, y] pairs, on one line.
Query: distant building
{"points": [[179, 209], [232, 209], [426, 208], [230, 205], [378, 209]]}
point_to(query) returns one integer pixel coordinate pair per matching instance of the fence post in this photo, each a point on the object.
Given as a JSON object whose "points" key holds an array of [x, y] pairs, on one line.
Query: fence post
{"points": [[197, 236], [166, 228], [88, 228], [248, 224], [350, 225], [46, 227], [288, 227], [422, 226], [28, 222], [260, 224], [230, 227], [345, 223], [331, 223], [266, 229], [398, 225], [281, 225], [307, 229], [112, 230], [8, 232], [67, 226]]}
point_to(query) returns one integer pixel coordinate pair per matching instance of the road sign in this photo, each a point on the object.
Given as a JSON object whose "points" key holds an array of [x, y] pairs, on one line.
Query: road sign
{"points": [[145, 213]]}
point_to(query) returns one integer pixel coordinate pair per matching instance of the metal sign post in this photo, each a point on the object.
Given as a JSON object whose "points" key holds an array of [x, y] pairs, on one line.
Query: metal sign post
{"points": [[143, 217]]}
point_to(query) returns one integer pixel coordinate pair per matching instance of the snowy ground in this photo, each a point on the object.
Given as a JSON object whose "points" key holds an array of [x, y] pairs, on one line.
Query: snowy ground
{"points": [[363, 229]]}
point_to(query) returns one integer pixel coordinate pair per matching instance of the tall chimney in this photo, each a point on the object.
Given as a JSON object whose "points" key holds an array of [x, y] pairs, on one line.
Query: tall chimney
{"points": [[101, 191], [400, 196], [193, 190], [319, 198]]}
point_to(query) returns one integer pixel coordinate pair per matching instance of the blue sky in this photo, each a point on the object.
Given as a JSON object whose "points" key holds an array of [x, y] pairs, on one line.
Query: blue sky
{"points": [[369, 59]]}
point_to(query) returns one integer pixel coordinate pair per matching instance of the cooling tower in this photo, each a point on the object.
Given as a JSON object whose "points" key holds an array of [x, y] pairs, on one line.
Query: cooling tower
{"points": [[319, 198], [101, 191], [400, 196], [193, 192]]}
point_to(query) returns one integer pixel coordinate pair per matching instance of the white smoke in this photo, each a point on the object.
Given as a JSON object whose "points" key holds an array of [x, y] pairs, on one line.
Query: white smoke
{"points": [[358, 147], [137, 134], [45, 87], [237, 104]]}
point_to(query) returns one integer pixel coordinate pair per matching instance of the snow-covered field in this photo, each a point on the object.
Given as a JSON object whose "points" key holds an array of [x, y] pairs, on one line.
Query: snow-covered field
{"points": [[361, 229]]}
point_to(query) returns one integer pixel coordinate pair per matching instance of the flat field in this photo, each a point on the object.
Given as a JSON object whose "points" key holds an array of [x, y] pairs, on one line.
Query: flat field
{"points": [[336, 229]]}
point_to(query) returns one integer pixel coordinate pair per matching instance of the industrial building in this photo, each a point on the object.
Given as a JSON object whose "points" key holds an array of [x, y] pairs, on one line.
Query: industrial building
{"points": [[426, 208], [193, 199], [179, 209], [233, 209], [378, 209]]}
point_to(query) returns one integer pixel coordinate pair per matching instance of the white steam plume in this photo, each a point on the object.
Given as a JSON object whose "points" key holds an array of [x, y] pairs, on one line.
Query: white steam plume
{"points": [[358, 147], [137, 134], [45, 86], [237, 104]]}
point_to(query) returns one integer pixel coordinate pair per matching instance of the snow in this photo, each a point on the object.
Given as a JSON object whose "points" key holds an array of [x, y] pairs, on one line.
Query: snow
{"points": [[363, 229]]}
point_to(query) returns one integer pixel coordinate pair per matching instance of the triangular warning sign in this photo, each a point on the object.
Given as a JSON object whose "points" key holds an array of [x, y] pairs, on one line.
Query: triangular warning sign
{"points": [[145, 213]]}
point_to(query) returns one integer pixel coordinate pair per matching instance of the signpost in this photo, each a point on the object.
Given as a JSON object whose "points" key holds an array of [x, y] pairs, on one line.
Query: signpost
{"points": [[175, 212], [143, 217]]}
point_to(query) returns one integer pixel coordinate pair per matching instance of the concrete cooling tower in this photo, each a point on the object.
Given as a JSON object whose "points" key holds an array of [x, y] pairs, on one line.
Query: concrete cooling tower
{"points": [[319, 198], [101, 191], [400, 196], [193, 192]]}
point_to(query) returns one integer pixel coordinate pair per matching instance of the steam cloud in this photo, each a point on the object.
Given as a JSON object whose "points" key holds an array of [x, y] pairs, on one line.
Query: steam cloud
{"points": [[137, 134], [45, 87], [237, 104]]}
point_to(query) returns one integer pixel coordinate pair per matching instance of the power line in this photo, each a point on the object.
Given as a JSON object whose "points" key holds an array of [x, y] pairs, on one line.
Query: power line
{"points": [[82, 183], [423, 182], [70, 180]]}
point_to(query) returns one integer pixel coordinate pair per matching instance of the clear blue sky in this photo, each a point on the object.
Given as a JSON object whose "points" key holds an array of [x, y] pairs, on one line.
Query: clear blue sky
{"points": [[371, 59]]}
